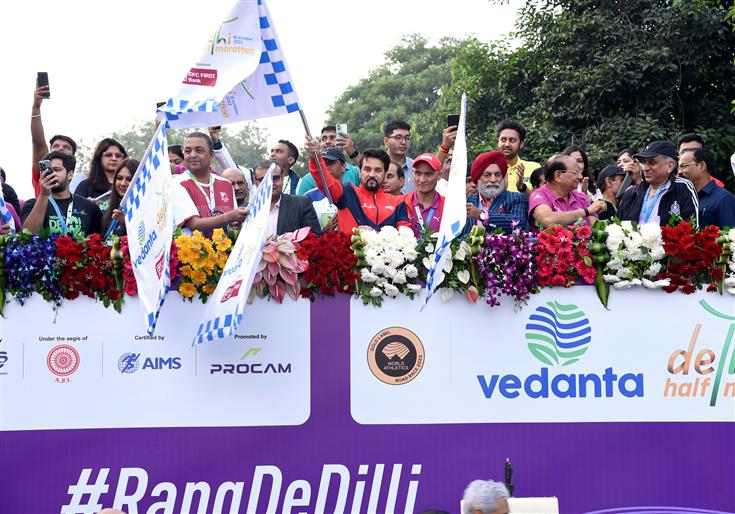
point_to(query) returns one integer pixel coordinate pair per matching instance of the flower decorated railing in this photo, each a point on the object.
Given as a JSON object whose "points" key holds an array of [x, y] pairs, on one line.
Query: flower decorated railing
{"points": [[389, 263]]}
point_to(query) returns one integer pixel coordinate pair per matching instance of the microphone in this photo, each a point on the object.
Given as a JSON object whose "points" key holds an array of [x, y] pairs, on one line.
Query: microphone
{"points": [[509, 476]]}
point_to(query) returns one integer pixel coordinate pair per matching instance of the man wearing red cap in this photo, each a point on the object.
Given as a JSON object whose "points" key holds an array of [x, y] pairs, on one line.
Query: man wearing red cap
{"points": [[425, 205], [493, 205]]}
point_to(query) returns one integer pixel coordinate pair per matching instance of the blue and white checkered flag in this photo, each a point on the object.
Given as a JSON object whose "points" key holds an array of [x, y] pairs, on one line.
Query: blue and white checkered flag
{"points": [[5, 216], [224, 310], [454, 216], [149, 223], [268, 91]]}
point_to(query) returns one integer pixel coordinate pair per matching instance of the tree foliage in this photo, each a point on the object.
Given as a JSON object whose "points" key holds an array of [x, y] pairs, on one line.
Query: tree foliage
{"points": [[407, 86], [604, 75], [247, 146]]}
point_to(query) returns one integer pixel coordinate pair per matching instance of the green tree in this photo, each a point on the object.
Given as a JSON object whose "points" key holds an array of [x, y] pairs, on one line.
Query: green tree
{"points": [[247, 145], [407, 86], [604, 75]]}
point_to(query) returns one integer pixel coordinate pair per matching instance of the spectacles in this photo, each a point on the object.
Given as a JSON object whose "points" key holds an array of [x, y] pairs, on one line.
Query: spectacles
{"points": [[400, 139], [113, 154], [576, 172], [682, 167]]}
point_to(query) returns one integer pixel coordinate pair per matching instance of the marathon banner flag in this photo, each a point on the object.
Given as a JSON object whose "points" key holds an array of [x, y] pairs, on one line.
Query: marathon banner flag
{"points": [[224, 311], [150, 225], [454, 216], [258, 92]]}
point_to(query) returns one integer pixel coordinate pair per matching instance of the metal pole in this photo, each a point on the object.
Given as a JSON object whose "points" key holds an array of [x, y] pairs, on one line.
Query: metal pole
{"points": [[315, 155]]}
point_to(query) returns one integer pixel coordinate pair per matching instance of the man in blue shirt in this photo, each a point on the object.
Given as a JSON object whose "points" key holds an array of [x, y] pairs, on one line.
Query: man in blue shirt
{"points": [[716, 205]]}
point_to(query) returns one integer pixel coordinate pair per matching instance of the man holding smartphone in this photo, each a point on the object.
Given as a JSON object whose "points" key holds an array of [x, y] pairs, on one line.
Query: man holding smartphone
{"points": [[330, 138], [38, 139], [56, 209]]}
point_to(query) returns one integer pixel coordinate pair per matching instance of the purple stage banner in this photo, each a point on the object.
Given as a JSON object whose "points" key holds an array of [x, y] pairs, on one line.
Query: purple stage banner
{"points": [[333, 407]]}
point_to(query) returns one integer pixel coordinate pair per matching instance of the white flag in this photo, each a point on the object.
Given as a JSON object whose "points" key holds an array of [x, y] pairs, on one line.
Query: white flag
{"points": [[232, 51], [5, 217], [149, 223], [224, 310], [268, 91], [454, 216]]}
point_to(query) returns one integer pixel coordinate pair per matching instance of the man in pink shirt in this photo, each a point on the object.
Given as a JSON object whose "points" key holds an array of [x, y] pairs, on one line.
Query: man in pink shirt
{"points": [[558, 202]]}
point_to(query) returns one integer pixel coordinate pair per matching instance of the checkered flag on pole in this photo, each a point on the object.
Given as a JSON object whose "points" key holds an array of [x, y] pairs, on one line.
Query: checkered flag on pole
{"points": [[267, 91], [149, 223]]}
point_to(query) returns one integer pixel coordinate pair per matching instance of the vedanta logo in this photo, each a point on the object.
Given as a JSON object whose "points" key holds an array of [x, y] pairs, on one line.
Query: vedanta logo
{"points": [[558, 334]]}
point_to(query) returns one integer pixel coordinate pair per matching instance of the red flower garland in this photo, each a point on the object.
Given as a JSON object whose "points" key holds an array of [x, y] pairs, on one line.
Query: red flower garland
{"points": [[86, 269], [562, 255], [332, 266], [692, 257], [130, 286]]}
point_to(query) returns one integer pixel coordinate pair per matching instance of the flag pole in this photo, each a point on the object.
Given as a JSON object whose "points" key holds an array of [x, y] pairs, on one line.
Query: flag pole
{"points": [[316, 158]]}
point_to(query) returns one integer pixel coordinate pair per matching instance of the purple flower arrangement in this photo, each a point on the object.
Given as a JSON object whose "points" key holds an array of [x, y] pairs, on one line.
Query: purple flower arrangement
{"points": [[506, 266], [29, 264]]}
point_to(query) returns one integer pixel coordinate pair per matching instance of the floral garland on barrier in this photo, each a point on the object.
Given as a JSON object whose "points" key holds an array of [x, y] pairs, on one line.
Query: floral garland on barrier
{"points": [[727, 259], [387, 263], [692, 258]]}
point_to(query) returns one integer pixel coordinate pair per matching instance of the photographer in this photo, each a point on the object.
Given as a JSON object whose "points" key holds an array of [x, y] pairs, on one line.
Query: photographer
{"points": [[56, 209]]}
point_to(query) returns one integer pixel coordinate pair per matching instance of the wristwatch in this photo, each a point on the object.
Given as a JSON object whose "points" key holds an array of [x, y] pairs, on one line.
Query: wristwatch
{"points": [[523, 187], [354, 154]]}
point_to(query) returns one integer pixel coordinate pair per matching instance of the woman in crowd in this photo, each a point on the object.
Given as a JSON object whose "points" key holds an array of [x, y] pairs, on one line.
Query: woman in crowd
{"points": [[631, 165], [588, 185], [106, 159], [113, 223]]}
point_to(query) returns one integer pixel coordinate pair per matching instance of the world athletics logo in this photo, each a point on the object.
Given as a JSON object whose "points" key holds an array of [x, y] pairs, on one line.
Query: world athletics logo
{"points": [[558, 334]]}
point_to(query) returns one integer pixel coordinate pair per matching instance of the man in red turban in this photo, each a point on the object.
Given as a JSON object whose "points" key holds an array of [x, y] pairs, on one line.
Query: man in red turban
{"points": [[493, 206]]}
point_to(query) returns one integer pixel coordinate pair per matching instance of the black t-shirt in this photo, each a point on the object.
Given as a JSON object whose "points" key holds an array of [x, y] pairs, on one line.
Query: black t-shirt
{"points": [[85, 218], [609, 213], [85, 189]]}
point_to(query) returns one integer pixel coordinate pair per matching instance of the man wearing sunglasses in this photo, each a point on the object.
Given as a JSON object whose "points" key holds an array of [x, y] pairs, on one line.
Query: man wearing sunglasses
{"points": [[397, 141]]}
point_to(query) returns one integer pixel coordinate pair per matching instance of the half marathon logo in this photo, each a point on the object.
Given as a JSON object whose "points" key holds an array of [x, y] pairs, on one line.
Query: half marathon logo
{"points": [[395, 355], [703, 371], [559, 335]]}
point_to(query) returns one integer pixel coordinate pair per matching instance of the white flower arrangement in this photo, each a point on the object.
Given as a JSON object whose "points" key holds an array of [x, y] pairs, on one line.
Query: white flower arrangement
{"points": [[386, 263], [729, 248], [454, 274], [635, 252]]}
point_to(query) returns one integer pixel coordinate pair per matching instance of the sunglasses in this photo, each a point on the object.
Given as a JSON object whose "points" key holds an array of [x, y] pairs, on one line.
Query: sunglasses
{"points": [[113, 154]]}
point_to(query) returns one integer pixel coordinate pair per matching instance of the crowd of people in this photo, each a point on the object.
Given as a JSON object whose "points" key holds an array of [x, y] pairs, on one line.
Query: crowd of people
{"points": [[345, 188]]}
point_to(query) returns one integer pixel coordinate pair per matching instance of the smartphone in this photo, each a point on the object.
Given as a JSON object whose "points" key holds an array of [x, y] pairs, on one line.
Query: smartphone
{"points": [[42, 80], [452, 120], [45, 167], [341, 129]]}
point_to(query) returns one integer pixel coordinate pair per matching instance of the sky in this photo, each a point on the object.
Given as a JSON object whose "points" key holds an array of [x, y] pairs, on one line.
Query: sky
{"points": [[109, 63]]}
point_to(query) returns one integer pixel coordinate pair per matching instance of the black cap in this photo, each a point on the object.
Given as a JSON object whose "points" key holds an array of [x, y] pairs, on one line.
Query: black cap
{"points": [[655, 148], [608, 171], [333, 153]]}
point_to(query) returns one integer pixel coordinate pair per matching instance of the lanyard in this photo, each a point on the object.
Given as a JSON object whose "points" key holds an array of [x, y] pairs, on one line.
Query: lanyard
{"points": [[648, 205], [110, 229], [423, 222], [64, 222], [210, 202]]}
